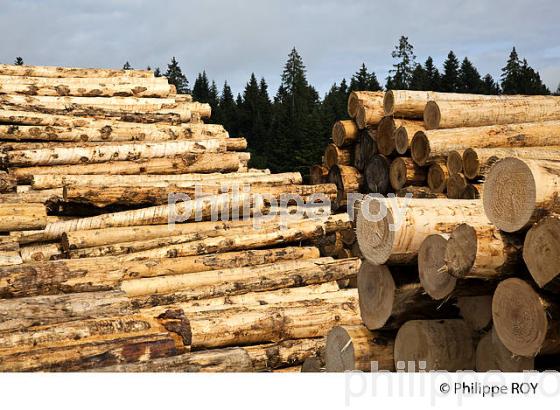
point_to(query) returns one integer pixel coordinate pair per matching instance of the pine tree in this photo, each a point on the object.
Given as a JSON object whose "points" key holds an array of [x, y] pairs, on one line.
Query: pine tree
{"points": [[419, 80], [511, 74], [176, 77], [450, 78], [201, 88], [226, 113], [18, 61], [157, 72], [469, 78], [364, 81], [401, 75], [433, 77], [127, 66], [489, 86], [531, 81]]}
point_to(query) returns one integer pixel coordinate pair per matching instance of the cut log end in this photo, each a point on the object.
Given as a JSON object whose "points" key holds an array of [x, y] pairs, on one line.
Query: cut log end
{"points": [[386, 136], [437, 177], [541, 250], [492, 355], [397, 173], [374, 234], [376, 290], [510, 194], [339, 351], [420, 148], [344, 133], [402, 140], [461, 250], [519, 317], [389, 103], [476, 311], [312, 364], [435, 279], [454, 162], [432, 116], [456, 186], [471, 163], [376, 174]]}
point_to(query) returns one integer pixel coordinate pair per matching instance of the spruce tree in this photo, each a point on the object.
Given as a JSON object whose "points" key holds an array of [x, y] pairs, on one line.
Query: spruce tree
{"points": [[419, 80], [450, 77], [433, 77], [226, 113], [364, 81], [401, 75], [176, 77], [18, 61], [201, 88], [127, 66], [469, 78], [157, 72], [531, 83], [511, 74], [489, 86]]}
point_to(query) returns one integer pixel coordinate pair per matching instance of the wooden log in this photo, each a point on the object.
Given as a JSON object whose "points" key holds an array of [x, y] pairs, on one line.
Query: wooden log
{"points": [[337, 156], [372, 99], [437, 178], [369, 115], [368, 144], [42, 197], [419, 192], [318, 174], [541, 250], [347, 180], [105, 196], [344, 133], [258, 358], [330, 245], [455, 162], [8, 182], [387, 134], [525, 321], [313, 364], [10, 258], [441, 344], [473, 191], [351, 348], [48, 181], [518, 192], [393, 229], [478, 161], [42, 252], [455, 114], [483, 251], [476, 311], [404, 172], [492, 355], [105, 153], [376, 174], [71, 72], [22, 216], [456, 186], [430, 144], [91, 87]]}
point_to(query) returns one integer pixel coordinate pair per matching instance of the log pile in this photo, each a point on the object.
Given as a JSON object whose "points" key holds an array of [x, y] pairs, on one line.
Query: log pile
{"points": [[103, 269], [463, 273]]}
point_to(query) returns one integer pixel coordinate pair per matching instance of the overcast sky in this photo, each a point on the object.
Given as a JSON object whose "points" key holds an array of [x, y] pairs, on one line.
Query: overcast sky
{"points": [[230, 39]]}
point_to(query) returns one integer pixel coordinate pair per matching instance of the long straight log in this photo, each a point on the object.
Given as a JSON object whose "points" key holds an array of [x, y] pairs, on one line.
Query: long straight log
{"points": [[455, 114], [541, 250], [71, 72], [478, 161], [427, 145], [518, 192], [22, 216], [395, 236], [525, 321], [351, 348], [45, 196], [440, 344]]}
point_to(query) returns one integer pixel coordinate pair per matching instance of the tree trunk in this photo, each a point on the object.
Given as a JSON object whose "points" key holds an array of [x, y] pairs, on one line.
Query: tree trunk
{"points": [[376, 174], [427, 145], [438, 175], [414, 220], [70, 72], [455, 162], [525, 321], [492, 355], [344, 133], [372, 99], [518, 192], [350, 348], [318, 174], [404, 172], [541, 250], [478, 161], [441, 344], [22, 216], [42, 252], [455, 114], [369, 115]]}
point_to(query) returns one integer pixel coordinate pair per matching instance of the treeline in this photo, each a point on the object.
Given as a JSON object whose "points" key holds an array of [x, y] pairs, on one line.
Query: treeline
{"points": [[289, 131]]}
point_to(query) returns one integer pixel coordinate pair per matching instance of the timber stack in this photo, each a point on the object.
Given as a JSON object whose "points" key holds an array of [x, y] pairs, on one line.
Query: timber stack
{"points": [[94, 277], [462, 273]]}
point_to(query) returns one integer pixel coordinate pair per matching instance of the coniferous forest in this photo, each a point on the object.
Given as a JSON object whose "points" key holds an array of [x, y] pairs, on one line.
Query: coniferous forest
{"points": [[288, 130]]}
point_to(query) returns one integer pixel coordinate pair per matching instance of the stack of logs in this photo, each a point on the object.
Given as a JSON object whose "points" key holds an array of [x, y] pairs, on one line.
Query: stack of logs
{"points": [[464, 273], [93, 277]]}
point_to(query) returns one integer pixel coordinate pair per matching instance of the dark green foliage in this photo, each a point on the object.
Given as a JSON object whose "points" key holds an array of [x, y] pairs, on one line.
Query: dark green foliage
{"points": [[364, 81], [469, 78], [489, 86], [433, 77], [201, 88], [226, 112], [450, 77], [419, 80], [519, 78], [127, 66], [157, 72], [401, 75], [18, 61], [176, 77]]}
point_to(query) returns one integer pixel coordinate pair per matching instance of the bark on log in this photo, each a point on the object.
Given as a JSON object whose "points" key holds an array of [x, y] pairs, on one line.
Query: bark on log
{"points": [[541, 250], [351, 348], [492, 355], [427, 145], [337, 156], [71, 72], [478, 161], [404, 172], [442, 345], [42, 252], [455, 114], [437, 178], [22, 216], [344, 133], [376, 174], [8, 182], [518, 192], [396, 237], [476, 311], [526, 322], [372, 99]]}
